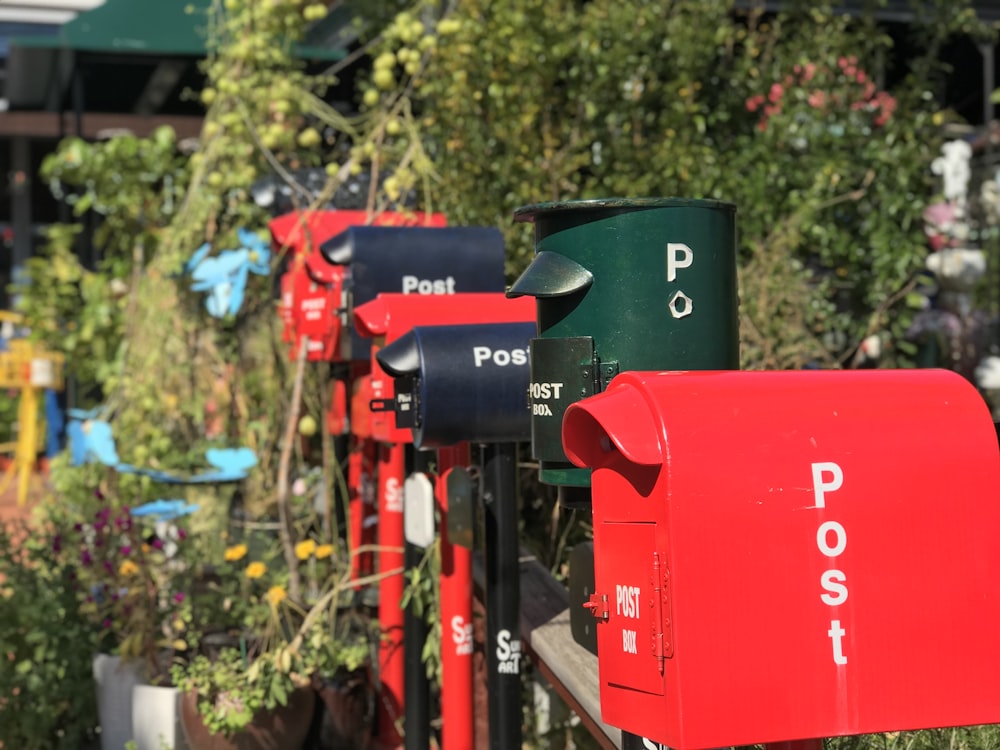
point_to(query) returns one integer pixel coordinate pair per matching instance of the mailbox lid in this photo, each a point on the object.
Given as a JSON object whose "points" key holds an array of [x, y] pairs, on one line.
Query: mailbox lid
{"points": [[873, 610]]}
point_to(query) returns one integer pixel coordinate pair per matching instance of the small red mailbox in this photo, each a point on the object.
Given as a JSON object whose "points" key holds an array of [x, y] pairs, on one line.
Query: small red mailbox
{"points": [[790, 555], [390, 315], [316, 314]]}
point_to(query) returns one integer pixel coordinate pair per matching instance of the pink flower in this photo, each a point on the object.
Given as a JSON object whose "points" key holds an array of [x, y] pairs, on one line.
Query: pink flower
{"points": [[817, 99], [861, 77], [178, 597], [762, 125], [181, 535], [850, 71], [754, 103], [842, 62], [776, 92], [808, 72]]}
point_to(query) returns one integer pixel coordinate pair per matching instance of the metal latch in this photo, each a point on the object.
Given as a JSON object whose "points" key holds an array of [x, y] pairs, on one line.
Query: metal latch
{"points": [[598, 606]]}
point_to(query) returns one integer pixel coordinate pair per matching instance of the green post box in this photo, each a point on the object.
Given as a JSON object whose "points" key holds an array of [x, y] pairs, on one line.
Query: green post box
{"points": [[623, 284]]}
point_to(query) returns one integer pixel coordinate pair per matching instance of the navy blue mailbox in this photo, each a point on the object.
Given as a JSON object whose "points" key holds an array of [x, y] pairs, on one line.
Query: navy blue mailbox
{"points": [[412, 260], [462, 383], [469, 383]]}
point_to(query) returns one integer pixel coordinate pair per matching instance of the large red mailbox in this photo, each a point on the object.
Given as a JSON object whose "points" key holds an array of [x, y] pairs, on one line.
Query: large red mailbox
{"points": [[390, 315], [790, 555]]}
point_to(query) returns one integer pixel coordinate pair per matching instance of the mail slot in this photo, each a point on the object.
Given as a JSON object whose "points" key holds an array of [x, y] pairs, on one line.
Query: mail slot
{"points": [[417, 261], [641, 284], [390, 316], [787, 555], [461, 383]]}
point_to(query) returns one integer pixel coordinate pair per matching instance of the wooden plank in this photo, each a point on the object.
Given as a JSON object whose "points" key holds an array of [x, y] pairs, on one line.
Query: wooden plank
{"points": [[46, 124], [546, 636]]}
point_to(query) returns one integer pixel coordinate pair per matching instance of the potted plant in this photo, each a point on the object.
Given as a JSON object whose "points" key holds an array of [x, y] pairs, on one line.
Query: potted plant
{"points": [[130, 571], [255, 653]]}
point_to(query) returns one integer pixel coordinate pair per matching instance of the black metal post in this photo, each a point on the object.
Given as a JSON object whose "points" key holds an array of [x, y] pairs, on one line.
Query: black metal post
{"points": [[503, 595], [417, 708]]}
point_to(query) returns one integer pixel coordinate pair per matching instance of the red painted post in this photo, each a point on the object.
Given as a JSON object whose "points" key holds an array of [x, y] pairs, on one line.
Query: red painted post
{"points": [[361, 511], [458, 732], [391, 470]]}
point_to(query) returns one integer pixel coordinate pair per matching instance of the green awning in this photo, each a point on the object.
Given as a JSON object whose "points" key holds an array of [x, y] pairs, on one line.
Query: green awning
{"points": [[131, 56]]}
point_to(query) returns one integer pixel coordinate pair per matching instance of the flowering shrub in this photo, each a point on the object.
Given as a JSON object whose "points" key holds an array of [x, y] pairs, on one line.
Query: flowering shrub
{"points": [[828, 94], [131, 577]]}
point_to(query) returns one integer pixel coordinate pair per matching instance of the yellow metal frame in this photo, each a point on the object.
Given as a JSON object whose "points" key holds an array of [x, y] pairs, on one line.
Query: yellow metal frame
{"points": [[29, 369]]}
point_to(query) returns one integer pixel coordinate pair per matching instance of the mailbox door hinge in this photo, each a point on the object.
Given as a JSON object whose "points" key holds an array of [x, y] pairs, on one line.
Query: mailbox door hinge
{"points": [[607, 371], [598, 606], [662, 627]]}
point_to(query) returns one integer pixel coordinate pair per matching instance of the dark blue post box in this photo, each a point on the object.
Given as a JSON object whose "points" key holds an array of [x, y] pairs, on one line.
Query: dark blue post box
{"points": [[462, 383], [413, 260]]}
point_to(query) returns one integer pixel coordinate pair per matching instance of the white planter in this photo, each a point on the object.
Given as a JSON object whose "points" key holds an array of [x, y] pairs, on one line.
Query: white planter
{"points": [[156, 721], [114, 680], [957, 269]]}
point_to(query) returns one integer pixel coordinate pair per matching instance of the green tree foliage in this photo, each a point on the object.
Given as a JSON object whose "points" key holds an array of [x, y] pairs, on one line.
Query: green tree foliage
{"points": [[526, 101]]}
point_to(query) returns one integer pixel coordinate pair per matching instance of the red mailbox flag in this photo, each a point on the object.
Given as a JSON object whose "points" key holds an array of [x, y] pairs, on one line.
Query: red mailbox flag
{"points": [[785, 555]]}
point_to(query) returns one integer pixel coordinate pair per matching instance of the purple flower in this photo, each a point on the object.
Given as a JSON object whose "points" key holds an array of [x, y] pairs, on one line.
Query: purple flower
{"points": [[57, 543], [77, 527], [85, 558], [157, 543], [98, 542], [98, 494], [181, 535], [126, 551], [178, 597], [109, 567], [103, 513], [107, 622]]}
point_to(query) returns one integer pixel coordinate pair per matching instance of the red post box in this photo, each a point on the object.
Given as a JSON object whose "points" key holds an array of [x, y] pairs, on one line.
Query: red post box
{"points": [[389, 316], [785, 555]]}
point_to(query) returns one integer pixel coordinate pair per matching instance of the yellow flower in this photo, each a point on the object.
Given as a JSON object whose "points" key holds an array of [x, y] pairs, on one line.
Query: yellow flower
{"points": [[324, 550], [256, 570], [128, 568], [276, 595], [304, 550], [238, 552]]}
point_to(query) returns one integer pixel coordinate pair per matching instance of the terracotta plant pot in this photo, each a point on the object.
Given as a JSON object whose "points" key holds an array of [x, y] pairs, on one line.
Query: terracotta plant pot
{"points": [[285, 728]]}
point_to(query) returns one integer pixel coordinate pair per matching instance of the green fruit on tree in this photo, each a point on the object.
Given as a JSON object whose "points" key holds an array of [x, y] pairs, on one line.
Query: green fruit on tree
{"points": [[309, 138], [393, 127], [384, 79], [308, 426], [370, 98]]}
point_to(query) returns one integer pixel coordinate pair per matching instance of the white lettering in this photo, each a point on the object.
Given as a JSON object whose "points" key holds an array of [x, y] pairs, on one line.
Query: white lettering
{"points": [[480, 354], [393, 496], [499, 357], [508, 653], [821, 538], [413, 284], [628, 642], [833, 582], [679, 255], [627, 601], [461, 634], [837, 634], [820, 488], [545, 390], [650, 745], [541, 410]]}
